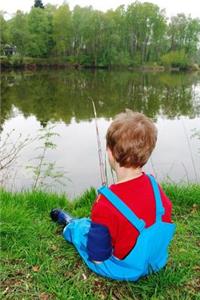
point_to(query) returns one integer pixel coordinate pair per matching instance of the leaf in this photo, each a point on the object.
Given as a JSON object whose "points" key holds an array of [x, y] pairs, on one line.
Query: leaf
{"points": [[36, 268], [54, 247], [84, 276], [5, 291], [44, 296]]}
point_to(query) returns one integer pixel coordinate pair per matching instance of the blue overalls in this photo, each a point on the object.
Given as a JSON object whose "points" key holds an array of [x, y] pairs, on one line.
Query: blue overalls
{"points": [[150, 252]]}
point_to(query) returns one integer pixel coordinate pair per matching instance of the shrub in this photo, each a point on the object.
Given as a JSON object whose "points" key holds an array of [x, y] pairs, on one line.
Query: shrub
{"points": [[175, 59]]}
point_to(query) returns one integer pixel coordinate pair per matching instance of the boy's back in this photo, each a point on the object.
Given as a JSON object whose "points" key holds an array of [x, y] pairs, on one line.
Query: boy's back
{"points": [[138, 195], [114, 242]]}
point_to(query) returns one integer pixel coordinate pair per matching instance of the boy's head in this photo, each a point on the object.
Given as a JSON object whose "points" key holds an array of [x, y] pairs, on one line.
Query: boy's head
{"points": [[131, 139]]}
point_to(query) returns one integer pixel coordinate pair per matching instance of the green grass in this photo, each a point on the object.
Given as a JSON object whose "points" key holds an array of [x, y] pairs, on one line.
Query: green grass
{"points": [[36, 262]]}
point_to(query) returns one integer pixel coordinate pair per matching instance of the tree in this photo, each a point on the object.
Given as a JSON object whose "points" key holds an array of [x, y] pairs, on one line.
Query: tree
{"points": [[115, 45], [62, 30], [18, 32], [137, 35], [94, 34], [40, 33], [79, 28], [184, 34], [88, 34], [146, 27], [3, 32], [38, 4]]}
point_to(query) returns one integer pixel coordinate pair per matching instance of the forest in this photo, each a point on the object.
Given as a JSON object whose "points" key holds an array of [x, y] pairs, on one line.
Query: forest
{"points": [[140, 34]]}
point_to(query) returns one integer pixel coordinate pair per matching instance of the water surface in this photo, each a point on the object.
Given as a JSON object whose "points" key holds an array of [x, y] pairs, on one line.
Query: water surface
{"points": [[31, 101]]}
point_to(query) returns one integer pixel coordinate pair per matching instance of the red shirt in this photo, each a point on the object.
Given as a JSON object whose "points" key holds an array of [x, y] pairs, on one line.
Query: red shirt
{"points": [[138, 195]]}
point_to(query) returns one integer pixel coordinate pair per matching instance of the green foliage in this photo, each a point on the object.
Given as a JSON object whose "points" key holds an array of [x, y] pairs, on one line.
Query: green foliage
{"points": [[40, 33], [18, 32], [138, 35], [3, 33], [5, 61], [62, 29], [146, 28], [176, 59], [36, 263], [45, 173], [184, 34], [16, 60]]}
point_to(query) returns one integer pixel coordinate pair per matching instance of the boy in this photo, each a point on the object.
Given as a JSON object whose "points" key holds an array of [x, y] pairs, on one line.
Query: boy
{"points": [[130, 227]]}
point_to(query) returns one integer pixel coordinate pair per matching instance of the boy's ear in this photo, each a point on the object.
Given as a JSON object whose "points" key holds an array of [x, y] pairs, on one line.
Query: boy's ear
{"points": [[110, 157]]}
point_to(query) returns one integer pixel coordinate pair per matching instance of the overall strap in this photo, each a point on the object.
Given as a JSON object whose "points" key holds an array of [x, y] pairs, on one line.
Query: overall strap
{"points": [[159, 207], [123, 208]]}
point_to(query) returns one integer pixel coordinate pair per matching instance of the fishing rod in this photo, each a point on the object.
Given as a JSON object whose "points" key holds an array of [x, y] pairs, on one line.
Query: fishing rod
{"points": [[101, 164]]}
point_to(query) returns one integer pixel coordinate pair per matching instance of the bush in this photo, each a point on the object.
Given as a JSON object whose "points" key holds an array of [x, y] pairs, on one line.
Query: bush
{"points": [[16, 60], [175, 59], [5, 62]]}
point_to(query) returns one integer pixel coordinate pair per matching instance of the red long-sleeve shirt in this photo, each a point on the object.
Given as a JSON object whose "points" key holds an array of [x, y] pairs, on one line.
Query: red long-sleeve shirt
{"points": [[138, 195]]}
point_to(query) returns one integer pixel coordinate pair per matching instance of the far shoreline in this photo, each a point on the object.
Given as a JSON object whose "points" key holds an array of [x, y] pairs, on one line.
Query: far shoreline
{"points": [[33, 64]]}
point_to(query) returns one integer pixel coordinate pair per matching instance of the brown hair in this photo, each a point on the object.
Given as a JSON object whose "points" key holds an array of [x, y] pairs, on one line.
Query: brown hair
{"points": [[131, 137]]}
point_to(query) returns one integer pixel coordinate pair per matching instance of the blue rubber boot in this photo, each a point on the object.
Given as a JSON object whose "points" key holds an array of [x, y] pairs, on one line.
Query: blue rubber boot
{"points": [[60, 216]]}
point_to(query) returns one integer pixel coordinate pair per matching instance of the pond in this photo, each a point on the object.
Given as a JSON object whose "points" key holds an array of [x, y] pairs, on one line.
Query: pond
{"points": [[61, 100]]}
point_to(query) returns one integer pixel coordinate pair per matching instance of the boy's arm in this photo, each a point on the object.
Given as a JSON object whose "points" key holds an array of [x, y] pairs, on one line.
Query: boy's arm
{"points": [[99, 244]]}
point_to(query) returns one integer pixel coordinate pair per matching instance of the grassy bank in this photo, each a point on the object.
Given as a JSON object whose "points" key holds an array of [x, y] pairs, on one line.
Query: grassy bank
{"points": [[36, 263], [31, 63], [17, 62]]}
